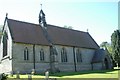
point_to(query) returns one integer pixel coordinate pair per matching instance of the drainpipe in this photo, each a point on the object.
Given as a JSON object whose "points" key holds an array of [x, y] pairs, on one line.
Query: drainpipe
{"points": [[34, 56], [74, 58], [92, 65], [51, 66]]}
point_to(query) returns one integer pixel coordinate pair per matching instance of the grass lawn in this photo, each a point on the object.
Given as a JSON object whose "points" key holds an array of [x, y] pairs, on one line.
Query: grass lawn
{"points": [[82, 74]]}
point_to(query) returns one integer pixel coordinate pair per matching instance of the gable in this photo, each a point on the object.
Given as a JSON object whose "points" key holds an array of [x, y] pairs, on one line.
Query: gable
{"points": [[24, 32]]}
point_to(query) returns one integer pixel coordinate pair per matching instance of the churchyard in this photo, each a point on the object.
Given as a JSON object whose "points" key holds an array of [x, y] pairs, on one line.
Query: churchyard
{"points": [[106, 74]]}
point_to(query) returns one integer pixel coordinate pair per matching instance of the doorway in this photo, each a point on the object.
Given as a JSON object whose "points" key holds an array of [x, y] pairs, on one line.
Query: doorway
{"points": [[106, 63]]}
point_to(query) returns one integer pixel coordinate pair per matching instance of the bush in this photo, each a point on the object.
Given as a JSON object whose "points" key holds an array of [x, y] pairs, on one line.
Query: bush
{"points": [[4, 76]]}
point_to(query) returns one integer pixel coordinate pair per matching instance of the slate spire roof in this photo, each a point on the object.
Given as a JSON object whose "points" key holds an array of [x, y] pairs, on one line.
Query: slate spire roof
{"points": [[24, 32]]}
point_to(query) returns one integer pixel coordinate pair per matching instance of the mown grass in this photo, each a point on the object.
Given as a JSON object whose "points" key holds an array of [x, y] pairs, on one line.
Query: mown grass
{"points": [[89, 74], [81, 74]]}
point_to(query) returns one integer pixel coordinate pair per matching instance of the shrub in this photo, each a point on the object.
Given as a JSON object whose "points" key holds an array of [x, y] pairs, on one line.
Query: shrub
{"points": [[4, 76]]}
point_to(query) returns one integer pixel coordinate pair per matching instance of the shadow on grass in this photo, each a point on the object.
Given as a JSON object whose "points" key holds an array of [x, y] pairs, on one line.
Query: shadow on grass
{"points": [[81, 73]]}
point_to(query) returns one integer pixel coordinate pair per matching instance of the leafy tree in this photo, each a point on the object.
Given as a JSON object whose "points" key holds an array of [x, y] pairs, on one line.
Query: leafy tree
{"points": [[103, 44], [69, 27], [106, 45], [4, 76], [115, 39]]}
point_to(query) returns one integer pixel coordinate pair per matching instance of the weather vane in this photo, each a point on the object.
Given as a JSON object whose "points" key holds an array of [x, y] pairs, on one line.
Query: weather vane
{"points": [[87, 30], [6, 14]]}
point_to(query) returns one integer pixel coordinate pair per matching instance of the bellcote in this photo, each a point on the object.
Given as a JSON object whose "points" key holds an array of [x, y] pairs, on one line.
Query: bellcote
{"points": [[42, 20]]}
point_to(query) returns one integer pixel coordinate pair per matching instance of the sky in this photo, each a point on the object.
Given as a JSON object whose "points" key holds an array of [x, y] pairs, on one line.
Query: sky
{"points": [[100, 17]]}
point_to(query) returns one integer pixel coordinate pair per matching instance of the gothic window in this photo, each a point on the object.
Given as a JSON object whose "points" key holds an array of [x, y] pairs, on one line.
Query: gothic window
{"points": [[41, 55], [63, 55], [5, 37], [26, 54], [78, 56]]}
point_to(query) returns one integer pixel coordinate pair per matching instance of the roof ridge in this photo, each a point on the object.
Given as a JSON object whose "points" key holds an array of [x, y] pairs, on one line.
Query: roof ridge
{"points": [[67, 28], [48, 25], [23, 22]]}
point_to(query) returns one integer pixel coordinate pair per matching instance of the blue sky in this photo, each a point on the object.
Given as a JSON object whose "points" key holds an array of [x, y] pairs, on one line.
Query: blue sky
{"points": [[100, 17]]}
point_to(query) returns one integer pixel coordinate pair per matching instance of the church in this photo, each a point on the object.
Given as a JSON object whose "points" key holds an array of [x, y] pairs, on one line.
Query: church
{"points": [[40, 47]]}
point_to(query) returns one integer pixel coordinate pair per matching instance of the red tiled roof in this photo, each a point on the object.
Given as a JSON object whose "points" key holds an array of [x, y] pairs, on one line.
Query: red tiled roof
{"points": [[32, 33]]}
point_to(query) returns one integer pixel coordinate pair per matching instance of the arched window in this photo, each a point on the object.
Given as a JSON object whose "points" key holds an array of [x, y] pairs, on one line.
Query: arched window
{"points": [[26, 54], [41, 55], [63, 55], [78, 56], [5, 37]]}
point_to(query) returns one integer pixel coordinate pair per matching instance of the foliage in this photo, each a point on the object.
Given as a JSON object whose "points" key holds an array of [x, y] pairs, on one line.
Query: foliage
{"points": [[106, 45], [103, 44], [69, 27], [4, 76], [115, 39]]}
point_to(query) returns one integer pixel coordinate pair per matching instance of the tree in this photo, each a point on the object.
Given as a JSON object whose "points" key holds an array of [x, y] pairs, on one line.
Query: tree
{"points": [[69, 27], [115, 39], [103, 44], [108, 46]]}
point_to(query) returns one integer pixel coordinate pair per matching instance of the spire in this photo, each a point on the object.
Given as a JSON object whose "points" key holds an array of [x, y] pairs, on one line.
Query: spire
{"points": [[42, 20]]}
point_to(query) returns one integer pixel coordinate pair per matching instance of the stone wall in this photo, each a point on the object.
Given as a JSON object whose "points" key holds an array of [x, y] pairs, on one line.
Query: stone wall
{"points": [[87, 55], [6, 66], [98, 66], [6, 62], [19, 62], [69, 65], [26, 66]]}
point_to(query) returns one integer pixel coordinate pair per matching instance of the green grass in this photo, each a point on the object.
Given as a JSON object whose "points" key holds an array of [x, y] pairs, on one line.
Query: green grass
{"points": [[81, 74]]}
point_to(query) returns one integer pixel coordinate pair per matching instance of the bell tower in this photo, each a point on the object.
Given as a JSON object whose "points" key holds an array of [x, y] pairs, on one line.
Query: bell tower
{"points": [[53, 50], [42, 20]]}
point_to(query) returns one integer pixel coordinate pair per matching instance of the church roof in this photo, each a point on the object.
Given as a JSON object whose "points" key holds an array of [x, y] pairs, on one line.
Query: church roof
{"points": [[24, 32]]}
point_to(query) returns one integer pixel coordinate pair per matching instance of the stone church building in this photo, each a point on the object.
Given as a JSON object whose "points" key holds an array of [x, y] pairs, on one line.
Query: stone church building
{"points": [[26, 46]]}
